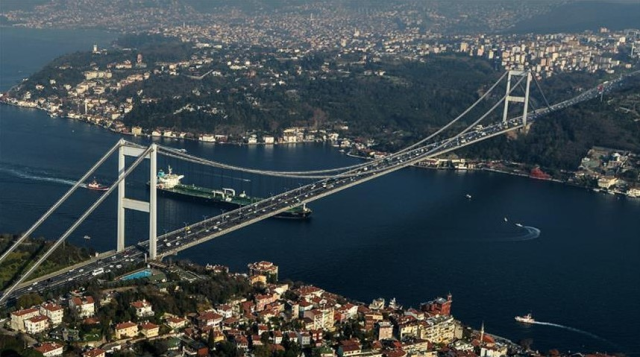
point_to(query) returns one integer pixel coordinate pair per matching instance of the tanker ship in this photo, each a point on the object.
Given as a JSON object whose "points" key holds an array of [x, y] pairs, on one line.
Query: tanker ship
{"points": [[169, 185]]}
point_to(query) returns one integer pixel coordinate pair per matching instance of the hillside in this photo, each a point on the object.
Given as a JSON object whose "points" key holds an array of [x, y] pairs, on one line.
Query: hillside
{"points": [[562, 139]]}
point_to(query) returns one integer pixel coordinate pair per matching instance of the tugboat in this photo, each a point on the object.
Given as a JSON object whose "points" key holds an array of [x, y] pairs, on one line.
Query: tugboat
{"points": [[94, 185], [527, 319]]}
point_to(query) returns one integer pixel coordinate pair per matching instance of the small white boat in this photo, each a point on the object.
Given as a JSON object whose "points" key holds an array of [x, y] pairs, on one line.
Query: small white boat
{"points": [[468, 196], [518, 224], [527, 319], [505, 219]]}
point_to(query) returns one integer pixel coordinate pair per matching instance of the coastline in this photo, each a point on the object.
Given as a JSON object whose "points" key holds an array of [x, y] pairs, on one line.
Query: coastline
{"points": [[483, 167], [193, 137]]}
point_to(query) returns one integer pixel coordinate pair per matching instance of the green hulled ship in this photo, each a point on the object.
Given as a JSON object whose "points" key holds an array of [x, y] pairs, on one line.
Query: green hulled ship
{"points": [[169, 185]]}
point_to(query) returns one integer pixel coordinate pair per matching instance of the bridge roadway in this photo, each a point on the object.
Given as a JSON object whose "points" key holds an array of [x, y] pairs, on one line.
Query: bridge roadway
{"points": [[185, 238]]}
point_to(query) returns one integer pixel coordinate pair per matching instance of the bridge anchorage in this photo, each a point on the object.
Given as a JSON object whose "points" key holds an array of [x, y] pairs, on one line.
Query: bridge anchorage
{"points": [[324, 182]]}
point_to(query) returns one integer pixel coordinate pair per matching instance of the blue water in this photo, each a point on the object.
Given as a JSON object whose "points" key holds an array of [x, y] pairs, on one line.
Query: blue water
{"points": [[138, 275], [412, 234]]}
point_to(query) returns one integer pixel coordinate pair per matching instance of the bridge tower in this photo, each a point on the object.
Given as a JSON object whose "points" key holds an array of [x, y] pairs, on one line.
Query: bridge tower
{"points": [[518, 99], [125, 203]]}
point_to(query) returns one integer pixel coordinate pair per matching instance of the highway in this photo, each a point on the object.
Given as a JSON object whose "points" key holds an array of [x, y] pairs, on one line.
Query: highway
{"points": [[185, 238]]}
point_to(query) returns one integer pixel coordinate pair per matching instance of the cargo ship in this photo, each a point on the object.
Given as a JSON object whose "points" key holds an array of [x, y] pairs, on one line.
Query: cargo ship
{"points": [[169, 185]]}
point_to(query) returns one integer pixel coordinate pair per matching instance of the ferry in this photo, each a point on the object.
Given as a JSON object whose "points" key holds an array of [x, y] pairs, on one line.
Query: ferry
{"points": [[94, 185], [527, 319]]}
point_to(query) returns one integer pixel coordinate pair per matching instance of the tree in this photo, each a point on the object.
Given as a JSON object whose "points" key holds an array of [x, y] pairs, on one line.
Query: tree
{"points": [[29, 300]]}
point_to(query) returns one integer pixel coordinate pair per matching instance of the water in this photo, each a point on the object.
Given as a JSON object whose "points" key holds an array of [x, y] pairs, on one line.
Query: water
{"points": [[138, 275], [412, 234]]}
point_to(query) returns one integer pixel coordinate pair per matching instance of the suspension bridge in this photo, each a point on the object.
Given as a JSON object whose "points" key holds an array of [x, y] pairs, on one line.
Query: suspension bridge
{"points": [[324, 182]]}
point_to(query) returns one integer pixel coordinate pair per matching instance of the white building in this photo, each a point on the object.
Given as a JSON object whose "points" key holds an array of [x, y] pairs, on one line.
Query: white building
{"points": [[53, 312], [19, 317], [85, 306], [50, 349], [143, 308], [36, 324]]}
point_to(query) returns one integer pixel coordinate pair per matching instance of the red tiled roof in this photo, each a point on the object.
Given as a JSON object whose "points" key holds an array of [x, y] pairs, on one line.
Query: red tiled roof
{"points": [[52, 307], [149, 326], [140, 304], [125, 325], [38, 318], [48, 347], [94, 352], [24, 312]]}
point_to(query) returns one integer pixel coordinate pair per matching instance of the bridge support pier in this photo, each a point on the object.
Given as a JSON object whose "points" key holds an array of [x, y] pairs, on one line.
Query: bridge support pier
{"points": [[125, 203], [518, 99]]}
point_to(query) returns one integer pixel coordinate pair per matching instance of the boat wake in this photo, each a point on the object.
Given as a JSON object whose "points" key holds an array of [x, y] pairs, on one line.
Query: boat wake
{"points": [[36, 176], [530, 233], [594, 336]]}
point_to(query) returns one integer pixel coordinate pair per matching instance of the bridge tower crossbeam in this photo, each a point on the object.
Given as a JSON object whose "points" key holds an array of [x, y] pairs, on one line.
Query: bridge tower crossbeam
{"points": [[518, 99]]}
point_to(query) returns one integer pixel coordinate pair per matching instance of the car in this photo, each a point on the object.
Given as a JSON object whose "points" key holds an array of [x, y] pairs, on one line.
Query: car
{"points": [[118, 266], [80, 271]]}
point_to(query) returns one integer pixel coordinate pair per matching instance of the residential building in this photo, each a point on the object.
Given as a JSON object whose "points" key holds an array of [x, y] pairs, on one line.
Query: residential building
{"points": [[439, 306], [19, 317], [96, 352], [150, 329], [143, 308], [438, 329], [36, 324], [53, 312], [349, 347], [607, 181], [267, 269], [304, 338], [197, 349], [50, 349], [126, 330], [176, 322], [262, 300], [209, 318], [323, 318], [84, 306], [385, 330]]}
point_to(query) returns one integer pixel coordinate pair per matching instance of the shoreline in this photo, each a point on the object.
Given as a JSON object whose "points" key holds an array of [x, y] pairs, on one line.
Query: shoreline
{"points": [[511, 173], [150, 136], [347, 153]]}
